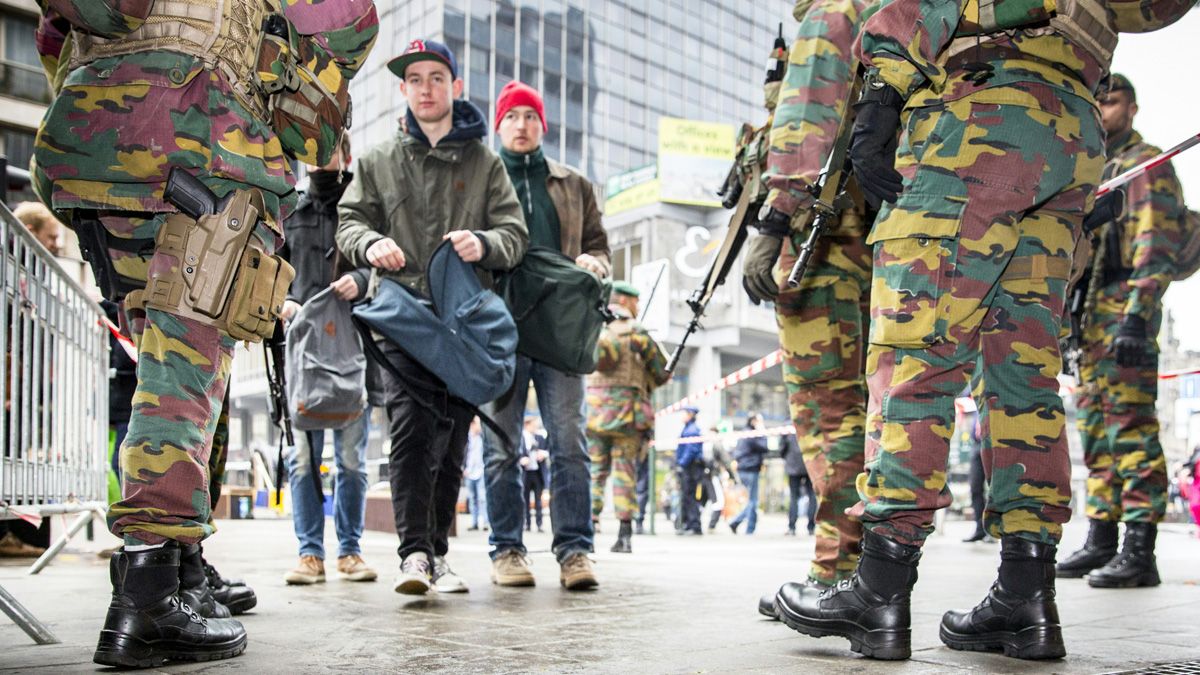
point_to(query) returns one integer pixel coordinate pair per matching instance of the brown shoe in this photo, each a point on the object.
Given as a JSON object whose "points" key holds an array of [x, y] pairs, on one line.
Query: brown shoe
{"points": [[511, 568], [577, 574], [353, 568], [12, 547], [311, 570]]}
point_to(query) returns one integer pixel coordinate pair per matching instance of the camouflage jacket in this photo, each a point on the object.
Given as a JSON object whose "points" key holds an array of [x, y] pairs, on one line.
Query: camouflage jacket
{"points": [[120, 123], [906, 42], [812, 101], [617, 409], [1151, 230]]}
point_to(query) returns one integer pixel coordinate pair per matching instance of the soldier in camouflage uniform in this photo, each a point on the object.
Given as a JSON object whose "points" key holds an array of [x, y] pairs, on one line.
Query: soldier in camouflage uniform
{"points": [[143, 92], [823, 322], [629, 367], [999, 156], [1131, 268]]}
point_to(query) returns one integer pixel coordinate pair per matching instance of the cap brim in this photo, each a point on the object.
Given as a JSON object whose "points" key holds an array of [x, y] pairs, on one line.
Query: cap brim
{"points": [[400, 63]]}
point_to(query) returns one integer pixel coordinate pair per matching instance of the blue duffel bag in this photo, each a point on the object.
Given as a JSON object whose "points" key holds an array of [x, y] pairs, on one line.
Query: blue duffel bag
{"points": [[461, 333]]}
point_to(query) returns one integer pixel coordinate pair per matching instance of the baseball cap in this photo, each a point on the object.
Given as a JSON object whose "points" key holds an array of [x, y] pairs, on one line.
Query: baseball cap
{"points": [[423, 50]]}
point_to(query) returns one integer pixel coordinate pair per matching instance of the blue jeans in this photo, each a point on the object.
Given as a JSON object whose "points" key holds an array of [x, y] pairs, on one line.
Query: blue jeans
{"points": [[561, 401], [750, 513], [477, 501], [349, 488]]}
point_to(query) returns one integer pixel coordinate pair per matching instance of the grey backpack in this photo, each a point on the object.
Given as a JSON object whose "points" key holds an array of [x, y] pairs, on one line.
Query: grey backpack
{"points": [[325, 365]]}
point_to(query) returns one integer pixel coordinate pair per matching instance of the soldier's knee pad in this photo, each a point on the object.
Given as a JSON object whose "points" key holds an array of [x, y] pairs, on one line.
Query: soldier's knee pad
{"points": [[212, 270]]}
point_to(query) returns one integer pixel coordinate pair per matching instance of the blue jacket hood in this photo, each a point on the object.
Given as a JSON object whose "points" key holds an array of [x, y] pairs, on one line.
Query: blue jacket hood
{"points": [[468, 123]]}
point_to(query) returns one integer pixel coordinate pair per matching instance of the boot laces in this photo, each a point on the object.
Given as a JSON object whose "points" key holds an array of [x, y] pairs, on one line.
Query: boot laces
{"points": [[187, 609]]}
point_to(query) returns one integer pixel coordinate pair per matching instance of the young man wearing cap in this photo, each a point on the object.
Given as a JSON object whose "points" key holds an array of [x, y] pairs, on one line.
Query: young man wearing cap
{"points": [[561, 213], [433, 181], [630, 365]]}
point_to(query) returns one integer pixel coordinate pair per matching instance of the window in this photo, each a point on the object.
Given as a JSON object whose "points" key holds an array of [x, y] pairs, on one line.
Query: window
{"points": [[21, 74], [18, 147]]}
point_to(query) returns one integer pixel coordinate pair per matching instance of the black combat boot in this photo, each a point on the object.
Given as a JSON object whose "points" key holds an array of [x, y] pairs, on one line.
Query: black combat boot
{"points": [[194, 590], [870, 608], [233, 593], [147, 624], [624, 545], [1099, 548], [766, 606], [1018, 616], [1135, 565]]}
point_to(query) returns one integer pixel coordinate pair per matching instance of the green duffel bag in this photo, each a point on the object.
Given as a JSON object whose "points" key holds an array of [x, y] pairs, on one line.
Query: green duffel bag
{"points": [[559, 308]]}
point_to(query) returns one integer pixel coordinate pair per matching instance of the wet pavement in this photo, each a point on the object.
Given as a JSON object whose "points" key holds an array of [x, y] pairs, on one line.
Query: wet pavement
{"points": [[676, 605]]}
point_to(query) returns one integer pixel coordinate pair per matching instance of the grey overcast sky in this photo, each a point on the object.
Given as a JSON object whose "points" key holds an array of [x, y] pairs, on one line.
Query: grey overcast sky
{"points": [[1158, 64]]}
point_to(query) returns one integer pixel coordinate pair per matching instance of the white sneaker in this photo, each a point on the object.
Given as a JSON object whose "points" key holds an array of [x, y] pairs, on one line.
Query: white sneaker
{"points": [[414, 577], [444, 578]]}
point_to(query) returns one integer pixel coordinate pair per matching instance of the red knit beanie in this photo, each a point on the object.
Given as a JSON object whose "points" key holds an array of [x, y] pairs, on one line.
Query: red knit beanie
{"points": [[517, 93]]}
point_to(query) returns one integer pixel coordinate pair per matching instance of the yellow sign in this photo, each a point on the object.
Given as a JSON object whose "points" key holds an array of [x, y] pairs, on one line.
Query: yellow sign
{"points": [[693, 160], [632, 198], [695, 139]]}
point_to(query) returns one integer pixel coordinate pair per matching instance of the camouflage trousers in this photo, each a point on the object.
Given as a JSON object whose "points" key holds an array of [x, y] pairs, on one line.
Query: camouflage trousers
{"points": [[970, 274], [615, 455], [1117, 421], [822, 326], [167, 459]]}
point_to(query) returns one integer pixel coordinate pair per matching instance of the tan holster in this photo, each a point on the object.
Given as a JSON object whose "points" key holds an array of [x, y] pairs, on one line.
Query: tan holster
{"points": [[213, 270]]}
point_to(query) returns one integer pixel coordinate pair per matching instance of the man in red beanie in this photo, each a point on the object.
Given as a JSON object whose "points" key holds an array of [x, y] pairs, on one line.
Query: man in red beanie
{"points": [[561, 213]]}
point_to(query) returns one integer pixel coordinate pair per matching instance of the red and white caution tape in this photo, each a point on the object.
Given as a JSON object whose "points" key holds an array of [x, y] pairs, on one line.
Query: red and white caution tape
{"points": [[122, 339], [1147, 165], [768, 361], [1171, 375], [673, 443]]}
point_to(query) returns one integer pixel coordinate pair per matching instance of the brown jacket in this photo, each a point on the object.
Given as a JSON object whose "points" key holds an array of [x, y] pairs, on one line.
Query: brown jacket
{"points": [[578, 214]]}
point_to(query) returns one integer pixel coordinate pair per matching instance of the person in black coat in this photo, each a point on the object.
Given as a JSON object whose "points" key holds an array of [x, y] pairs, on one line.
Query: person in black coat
{"points": [[798, 483]]}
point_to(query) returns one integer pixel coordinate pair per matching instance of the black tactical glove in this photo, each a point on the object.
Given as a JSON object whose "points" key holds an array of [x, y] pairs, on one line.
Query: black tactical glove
{"points": [[773, 222], [1107, 209], [1132, 346], [873, 143], [758, 266]]}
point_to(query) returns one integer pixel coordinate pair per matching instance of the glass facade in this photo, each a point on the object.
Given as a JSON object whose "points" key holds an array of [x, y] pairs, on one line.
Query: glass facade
{"points": [[608, 69]]}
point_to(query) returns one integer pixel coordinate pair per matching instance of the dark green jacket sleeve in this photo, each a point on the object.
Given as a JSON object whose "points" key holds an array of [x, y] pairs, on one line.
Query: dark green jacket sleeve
{"points": [[506, 237], [359, 212]]}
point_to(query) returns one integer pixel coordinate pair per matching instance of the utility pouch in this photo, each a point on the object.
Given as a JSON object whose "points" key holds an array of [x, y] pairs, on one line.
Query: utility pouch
{"points": [[259, 289]]}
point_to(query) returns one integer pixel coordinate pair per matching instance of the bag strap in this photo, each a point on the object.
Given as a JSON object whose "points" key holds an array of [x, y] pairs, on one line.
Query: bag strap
{"points": [[376, 354]]}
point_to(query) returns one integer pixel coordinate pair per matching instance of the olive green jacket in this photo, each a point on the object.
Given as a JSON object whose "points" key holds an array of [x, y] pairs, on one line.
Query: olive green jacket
{"points": [[415, 194]]}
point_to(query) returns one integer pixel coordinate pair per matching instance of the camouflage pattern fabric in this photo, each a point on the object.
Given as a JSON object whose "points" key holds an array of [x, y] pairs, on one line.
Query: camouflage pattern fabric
{"points": [[624, 409], [116, 128], [812, 101], [137, 116], [970, 272], [823, 323], [911, 56], [1117, 421], [617, 455], [620, 416]]}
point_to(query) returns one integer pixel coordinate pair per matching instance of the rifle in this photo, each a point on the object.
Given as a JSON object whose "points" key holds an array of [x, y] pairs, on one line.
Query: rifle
{"points": [[193, 198], [733, 193], [829, 192]]}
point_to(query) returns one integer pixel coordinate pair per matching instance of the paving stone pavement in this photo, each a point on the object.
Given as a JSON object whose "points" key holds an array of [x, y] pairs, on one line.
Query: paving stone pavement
{"points": [[676, 605]]}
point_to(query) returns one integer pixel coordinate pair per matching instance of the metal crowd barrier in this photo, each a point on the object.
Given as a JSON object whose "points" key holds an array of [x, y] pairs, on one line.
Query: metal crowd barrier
{"points": [[54, 388]]}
